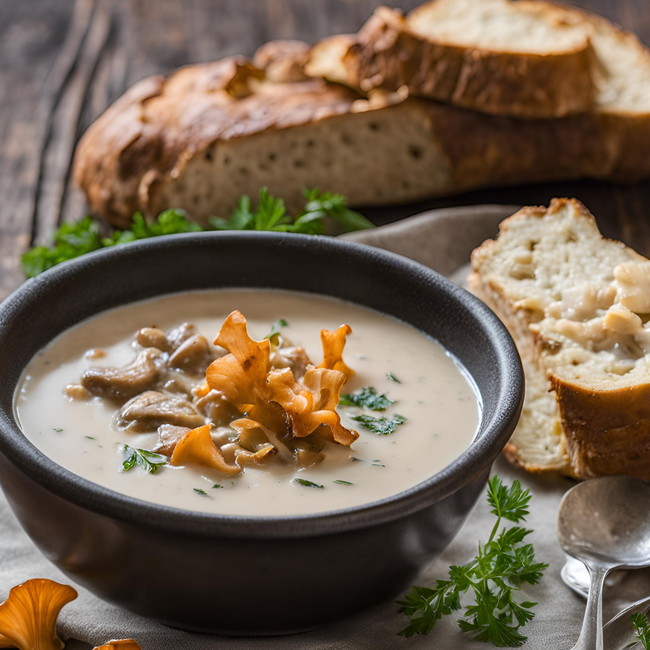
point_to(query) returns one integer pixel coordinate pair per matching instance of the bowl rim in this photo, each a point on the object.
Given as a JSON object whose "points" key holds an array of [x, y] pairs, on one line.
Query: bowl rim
{"points": [[25, 456]]}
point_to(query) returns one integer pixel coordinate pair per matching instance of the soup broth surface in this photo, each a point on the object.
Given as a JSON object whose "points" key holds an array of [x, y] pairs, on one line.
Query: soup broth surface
{"points": [[427, 386]]}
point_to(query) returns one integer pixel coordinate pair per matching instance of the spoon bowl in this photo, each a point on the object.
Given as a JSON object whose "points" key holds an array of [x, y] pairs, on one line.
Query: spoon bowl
{"points": [[605, 519], [604, 524]]}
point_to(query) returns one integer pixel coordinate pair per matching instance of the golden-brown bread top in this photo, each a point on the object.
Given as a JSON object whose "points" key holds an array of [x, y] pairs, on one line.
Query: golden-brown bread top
{"points": [[283, 61], [159, 124], [388, 53]]}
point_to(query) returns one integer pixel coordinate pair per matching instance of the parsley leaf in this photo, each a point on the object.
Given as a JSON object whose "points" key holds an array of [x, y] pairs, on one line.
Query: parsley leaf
{"points": [[70, 240], [148, 460], [169, 222], [368, 398], [203, 493], [392, 377], [335, 206], [322, 208], [501, 566], [307, 483], [642, 629], [340, 482], [274, 334], [383, 426]]}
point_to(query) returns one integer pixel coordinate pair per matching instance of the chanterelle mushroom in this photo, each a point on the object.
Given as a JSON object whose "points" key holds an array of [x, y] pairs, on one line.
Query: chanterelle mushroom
{"points": [[274, 397], [196, 447], [123, 644], [28, 616]]}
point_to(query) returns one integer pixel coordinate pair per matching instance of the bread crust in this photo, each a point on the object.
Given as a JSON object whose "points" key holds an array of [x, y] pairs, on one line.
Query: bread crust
{"points": [[388, 54], [605, 432]]}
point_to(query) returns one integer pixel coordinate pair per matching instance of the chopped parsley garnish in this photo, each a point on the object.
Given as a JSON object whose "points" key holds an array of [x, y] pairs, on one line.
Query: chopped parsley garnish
{"points": [[203, 493], [642, 629], [368, 398], [147, 460], [339, 482], [493, 578], [57, 429], [307, 483], [356, 460], [91, 438], [383, 425], [377, 465], [392, 377], [75, 239], [216, 486], [274, 334]]}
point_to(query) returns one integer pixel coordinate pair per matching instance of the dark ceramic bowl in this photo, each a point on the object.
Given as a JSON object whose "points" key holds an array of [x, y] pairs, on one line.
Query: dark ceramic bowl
{"points": [[249, 575]]}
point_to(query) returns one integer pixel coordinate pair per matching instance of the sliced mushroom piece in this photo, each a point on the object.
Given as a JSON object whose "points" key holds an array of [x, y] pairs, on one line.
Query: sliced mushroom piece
{"points": [[197, 448], [178, 335], [245, 458], [124, 383], [215, 407], [151, 409], [249, 435], [76, 392], [178, 382], [193, 355], [308, 458], [294, 357], [152, 337], [169, 436]]}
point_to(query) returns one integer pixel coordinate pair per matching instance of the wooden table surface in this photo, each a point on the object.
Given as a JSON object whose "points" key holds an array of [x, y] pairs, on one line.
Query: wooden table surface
{"points": [[63, 61]]}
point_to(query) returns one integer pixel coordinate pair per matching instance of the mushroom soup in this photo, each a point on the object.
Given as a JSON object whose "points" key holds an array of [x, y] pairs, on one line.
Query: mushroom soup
{"points": [[305, 404]]}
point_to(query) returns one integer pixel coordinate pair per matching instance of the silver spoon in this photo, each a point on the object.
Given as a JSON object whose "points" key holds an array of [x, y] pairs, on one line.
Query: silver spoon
{"points": [[618, 632], [575, 576], [603, 523]]}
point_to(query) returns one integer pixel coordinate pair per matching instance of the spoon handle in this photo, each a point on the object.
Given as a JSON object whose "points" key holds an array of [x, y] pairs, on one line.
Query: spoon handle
{"points": [[591, 635]]}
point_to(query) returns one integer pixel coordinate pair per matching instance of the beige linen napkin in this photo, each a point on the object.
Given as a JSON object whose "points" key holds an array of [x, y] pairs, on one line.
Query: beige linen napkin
{"points": [[442, 240]]}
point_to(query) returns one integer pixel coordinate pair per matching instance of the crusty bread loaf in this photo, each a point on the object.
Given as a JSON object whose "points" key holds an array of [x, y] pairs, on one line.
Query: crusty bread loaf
{"points": [[578, 307], [210, 133], [524, 59]]}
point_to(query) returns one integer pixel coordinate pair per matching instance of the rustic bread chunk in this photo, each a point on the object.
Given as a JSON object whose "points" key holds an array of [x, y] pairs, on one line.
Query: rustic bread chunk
{"points": [[524, 59], [210, 133], [579, 308]]}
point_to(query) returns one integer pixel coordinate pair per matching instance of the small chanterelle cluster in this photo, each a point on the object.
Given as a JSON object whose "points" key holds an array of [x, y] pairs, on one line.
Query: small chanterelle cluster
{"points": [[262, 402], [28, 617]]}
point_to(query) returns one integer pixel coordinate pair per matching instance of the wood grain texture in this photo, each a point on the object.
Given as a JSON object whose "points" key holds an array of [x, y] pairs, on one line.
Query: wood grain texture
{"points": [[63, 61]]}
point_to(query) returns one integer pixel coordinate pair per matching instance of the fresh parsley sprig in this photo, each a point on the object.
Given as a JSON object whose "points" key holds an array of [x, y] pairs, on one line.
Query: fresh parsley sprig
{"points": [[382, 426], [366, 397], [323, 211], [494, 577], [274, 335], [642, 629], [148, 460], [271, 214]]}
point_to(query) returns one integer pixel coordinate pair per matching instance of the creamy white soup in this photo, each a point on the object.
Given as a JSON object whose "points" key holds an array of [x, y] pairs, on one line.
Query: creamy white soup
{"points": [[124, 400]]}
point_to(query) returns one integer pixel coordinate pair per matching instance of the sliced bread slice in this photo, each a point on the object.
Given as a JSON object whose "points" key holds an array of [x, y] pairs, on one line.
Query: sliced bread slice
{"points": [[524, 59], [578, 307]]}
